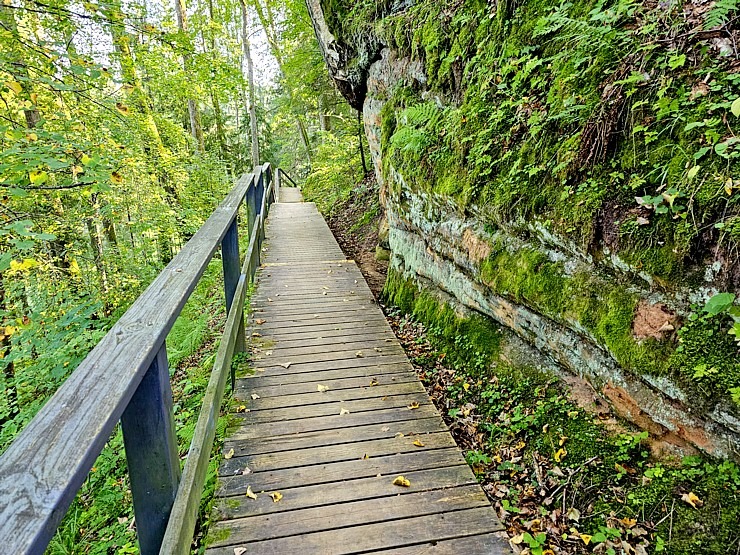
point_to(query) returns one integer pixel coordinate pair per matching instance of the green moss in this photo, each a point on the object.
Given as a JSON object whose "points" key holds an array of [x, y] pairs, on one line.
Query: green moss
{"points": [[467, 339], [220, 535], [524, 419], [708, 356]]}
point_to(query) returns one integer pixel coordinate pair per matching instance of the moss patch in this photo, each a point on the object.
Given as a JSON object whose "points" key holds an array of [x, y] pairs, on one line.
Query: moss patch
{"points": [[522, 420]]}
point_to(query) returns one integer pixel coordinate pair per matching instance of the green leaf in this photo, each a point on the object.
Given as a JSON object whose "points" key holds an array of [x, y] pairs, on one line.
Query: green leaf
{"points": [[735, 108], [598, 537], [693, 171], [719, 303]]}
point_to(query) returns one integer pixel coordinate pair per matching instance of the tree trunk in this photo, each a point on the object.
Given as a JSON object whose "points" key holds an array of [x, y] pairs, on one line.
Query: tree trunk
{"points": [[96, 244], [196, 129], [251, 100]]}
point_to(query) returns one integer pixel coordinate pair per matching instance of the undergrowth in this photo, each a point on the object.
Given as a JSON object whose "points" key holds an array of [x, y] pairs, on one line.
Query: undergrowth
{"points": [[558, 477]]}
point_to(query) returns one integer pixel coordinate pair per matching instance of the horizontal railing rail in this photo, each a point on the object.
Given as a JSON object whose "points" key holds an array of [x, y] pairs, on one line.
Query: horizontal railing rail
{"points": [[125, 377]]}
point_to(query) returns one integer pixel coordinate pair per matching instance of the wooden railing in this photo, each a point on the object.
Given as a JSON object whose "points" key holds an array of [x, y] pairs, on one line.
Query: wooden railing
{"points": [[125, 377]]}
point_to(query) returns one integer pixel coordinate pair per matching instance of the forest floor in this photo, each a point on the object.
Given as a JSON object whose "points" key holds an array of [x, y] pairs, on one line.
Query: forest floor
{"points": [[562, 479]]}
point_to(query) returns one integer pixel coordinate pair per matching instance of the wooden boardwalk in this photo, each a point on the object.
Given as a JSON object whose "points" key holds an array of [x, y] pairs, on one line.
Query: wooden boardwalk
{"points": [[335, 414]]}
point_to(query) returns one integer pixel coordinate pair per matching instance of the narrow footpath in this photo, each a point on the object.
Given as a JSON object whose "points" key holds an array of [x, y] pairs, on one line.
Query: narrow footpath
{"points": [[339, 449]]}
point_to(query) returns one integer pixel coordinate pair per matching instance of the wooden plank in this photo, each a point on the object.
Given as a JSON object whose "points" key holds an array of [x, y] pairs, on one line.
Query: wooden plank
{"points": [[324, 494], [329, 409], [324, 330], [364, 347], [271, 389], [39, 473], [324, 338], [316, 519], [276, 429], [327, 473], [332, 396], [495, 543], [359, 539], [410, 428], [346, 363], [366, 372], [336, 453], [345, 354]]}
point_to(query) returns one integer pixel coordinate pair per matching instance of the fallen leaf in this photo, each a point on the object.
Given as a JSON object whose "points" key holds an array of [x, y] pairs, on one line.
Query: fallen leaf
{"points": [[400, 434], [269, 300], [343, 412], [692, 499], [241, 408], [401, 481], [418, 443], [286, 364], [585, 538], [378, 350], [365, 456], [250, 493], [255, 334], [562, 441], [229, 454], [560, 455], [322, 388], [574, 514], [385, 429], [255, 396], [413, 406], [516, 540], [276, 496], [246, 471], [359, 354], [239, 550], [374, 382], [260, 321]]}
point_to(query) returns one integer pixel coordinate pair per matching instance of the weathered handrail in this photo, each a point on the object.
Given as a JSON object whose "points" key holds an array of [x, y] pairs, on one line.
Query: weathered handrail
{"points": [[125, 377]]}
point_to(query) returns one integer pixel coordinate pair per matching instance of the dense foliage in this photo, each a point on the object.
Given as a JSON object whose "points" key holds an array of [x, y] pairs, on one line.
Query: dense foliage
{"points": [[122, 125]]}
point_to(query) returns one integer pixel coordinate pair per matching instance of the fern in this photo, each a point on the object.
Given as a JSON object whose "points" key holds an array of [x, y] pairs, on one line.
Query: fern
{"points": [[720, 13]]}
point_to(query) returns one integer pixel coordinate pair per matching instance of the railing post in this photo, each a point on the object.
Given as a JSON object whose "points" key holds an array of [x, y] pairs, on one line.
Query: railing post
{"points": [[276, 188], [232, 271], [151, 453]]}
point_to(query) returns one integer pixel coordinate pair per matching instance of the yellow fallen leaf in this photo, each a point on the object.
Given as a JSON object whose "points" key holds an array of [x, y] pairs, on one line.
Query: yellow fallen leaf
{"points": [[122, 108], [728, 186], [286, 364], [343, 412], [241, 408], [276, 496], [250, 493], [516, 540], [585, 538], [692, 499], [322, 388], [359, 354], [629, 522], [116, 177], [240, 550], [466, 386], [562, 441], [229, 454], [413, 406], [401, 481], [373, 382], [560, 455], [418, 443]]}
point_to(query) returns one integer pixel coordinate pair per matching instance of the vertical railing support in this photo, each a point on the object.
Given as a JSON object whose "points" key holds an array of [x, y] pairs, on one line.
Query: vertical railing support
{"points": [[151, 453], [232, 271], [276, 188]]}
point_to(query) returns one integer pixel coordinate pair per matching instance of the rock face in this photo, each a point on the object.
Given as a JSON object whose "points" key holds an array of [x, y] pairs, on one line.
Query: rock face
{"points": [[456, 252]]}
